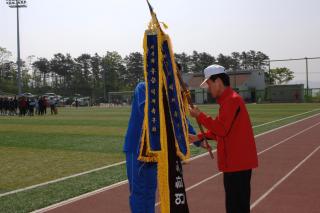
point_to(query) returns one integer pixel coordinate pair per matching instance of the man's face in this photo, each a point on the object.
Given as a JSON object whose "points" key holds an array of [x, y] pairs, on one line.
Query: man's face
{"points": [[214, 87]]}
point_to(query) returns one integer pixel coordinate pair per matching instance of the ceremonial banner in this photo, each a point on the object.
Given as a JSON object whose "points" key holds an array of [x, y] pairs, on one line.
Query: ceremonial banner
{"points": [[165, 129]]}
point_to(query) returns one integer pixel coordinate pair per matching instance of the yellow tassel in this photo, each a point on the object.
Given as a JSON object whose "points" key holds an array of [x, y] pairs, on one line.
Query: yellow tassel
{"points": [[163, 176], [165, 26]]}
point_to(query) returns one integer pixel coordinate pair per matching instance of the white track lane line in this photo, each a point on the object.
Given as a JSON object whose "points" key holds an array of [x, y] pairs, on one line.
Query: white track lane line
{"points": [[123, 162], [282, 179], [265, 150], [261, 134], [71, 200]]}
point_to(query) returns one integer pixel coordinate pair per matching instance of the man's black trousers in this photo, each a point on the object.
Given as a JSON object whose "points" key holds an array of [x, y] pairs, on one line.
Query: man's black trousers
{"points": [[237, 188]]}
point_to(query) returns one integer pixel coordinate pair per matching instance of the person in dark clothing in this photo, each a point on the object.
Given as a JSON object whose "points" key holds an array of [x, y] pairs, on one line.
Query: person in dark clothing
{"points": [[40, 103], [15, 103], [6, 105], [1, 105], [52, 106], [56, 107], [45, 105], [32, 104], [23, 106], [39, 106], [28, 107], [11, 107]]}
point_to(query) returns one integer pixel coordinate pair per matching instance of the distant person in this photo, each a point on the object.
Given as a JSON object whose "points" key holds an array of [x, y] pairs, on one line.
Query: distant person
{"points": [[32, 105], [56, 107], [11, 107], [23, 106], [1, 105], [15, 101], [40, 106], [36, 108], [6, 105], [28, 106], [45, 105], [51, 103]]}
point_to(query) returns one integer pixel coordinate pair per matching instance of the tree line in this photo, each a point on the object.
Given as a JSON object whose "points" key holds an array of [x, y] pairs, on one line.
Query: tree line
{"points": [[96, 75]]}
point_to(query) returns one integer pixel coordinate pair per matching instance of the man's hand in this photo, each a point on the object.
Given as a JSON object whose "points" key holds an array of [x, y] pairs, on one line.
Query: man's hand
{"points": [[194, 112], [193, 138], [205, 146]]}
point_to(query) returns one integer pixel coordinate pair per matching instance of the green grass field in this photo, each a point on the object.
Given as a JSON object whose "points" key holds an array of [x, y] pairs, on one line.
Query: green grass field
{"points": [[36, 149]]}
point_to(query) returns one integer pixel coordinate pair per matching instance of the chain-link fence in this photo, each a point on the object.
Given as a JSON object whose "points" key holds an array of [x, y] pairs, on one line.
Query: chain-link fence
{"points": [[313, 95], [120, 98], [272, 94], [2, 93]]}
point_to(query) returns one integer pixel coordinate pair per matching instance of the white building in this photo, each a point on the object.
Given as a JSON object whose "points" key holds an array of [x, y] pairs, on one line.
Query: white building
{"points": [[249, 83]]}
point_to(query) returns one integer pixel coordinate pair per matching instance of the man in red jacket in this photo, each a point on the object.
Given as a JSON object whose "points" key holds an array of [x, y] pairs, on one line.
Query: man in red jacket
{"points": [[232, 129]]}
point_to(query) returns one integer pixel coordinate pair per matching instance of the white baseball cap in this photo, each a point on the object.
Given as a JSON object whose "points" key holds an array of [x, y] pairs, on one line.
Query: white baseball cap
{"points": [[210, 71]]}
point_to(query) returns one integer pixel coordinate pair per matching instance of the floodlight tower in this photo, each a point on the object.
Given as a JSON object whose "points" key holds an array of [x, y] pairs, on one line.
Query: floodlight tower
{"points": [[18, 4]]}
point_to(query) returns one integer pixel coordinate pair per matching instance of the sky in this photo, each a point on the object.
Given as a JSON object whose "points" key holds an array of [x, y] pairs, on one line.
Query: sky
{"points": [[279, 28]]}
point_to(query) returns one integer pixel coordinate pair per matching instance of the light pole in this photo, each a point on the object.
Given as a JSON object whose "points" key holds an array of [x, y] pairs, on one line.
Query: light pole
{"points": [[104, 86], [18, 4]]}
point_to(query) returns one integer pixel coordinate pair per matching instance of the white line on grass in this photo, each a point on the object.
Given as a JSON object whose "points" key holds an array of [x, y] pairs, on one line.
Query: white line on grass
{"points": [[282, 179], [123, 162], [281, 119], [60, 179], [189, 188]]}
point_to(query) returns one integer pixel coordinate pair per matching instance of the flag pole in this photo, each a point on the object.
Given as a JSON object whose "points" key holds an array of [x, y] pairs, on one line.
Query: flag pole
{"points": [[187, 94]]}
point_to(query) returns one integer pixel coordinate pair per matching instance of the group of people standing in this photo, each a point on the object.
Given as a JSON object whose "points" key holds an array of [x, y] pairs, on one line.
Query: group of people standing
{"points": [[8, 106], [22, 106], [231, 129]]}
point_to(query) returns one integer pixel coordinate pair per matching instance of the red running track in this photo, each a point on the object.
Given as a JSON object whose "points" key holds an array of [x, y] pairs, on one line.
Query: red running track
{"points": [[287, 180]]}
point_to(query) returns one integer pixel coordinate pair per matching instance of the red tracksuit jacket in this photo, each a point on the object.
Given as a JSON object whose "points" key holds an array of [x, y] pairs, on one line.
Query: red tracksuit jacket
{"points": [[233, 131]]}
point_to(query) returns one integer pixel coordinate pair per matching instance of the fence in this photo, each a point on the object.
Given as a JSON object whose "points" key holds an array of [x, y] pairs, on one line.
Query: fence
{"points": [[6, 94], [313, 95], [120, 97], [287, 95]]}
